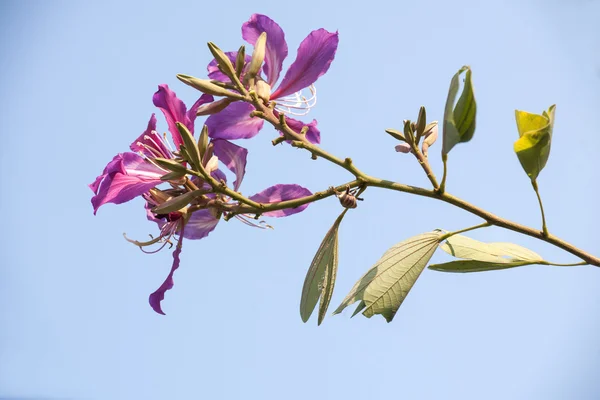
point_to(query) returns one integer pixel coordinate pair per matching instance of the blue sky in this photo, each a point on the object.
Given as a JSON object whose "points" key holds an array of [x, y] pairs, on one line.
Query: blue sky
{"points": [[77, 80]]}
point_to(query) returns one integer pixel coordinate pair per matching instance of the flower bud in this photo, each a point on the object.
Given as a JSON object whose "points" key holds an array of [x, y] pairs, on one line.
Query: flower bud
{"points": [[263, 90]]}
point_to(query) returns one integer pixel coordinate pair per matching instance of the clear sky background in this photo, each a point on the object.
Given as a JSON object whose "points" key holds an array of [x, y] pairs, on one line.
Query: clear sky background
{"points": [[76, 82]]}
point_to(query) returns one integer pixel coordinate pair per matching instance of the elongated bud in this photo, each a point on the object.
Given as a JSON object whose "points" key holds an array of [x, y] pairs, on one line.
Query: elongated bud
{"points": [[190, 147], [173, 176], [222, 60], [177, 203], [240, 61], [430, 134], [395, 134], [205, 86], [421, 122], [203, 142], [258, 56], [263, 90], [170, 165], [408, 131], [213, 107]]}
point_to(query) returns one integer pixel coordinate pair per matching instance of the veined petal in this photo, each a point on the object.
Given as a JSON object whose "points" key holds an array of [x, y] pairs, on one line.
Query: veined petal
{"points": [[313, 134], [276, 48], [234, 122], [315, 54], [279, 193], [150, 143], [126, 179], [200, 224], [234, 158], [159, 295], [113, 166], [174, 111]]}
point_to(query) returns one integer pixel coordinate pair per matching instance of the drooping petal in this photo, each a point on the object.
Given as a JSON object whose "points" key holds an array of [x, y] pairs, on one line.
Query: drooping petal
{"points": [[315, 54], [200, 224], [159, 295], [279, 193], [127, 176], [276, 48], [234, 158], [313, 134], [234, 122], [174, 111], [113, 166], [150, 143]]}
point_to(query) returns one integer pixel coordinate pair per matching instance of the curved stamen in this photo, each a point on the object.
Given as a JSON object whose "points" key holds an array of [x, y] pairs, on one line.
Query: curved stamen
{"points": [[245, 218], [297, 104]]}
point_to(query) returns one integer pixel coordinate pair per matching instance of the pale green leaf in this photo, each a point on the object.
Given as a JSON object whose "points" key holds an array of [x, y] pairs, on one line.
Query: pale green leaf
{"points": [[459, 120], [464, 247], [320, 278], [463, 266], [535, 137], [517, 252], [385, 286]]}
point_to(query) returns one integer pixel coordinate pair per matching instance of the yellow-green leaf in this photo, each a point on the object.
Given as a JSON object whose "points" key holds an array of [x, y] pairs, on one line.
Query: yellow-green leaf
{"points": [[535, 137], [385, 286], [459, 119], [320, 278]]}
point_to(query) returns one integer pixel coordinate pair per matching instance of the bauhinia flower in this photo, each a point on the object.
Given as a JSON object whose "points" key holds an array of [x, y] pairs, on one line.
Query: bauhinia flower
{"points": [[315, 54], [189, 207]]}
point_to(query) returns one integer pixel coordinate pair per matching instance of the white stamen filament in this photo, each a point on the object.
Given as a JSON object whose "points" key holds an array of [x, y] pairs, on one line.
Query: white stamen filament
{"points": [[297, 104]]}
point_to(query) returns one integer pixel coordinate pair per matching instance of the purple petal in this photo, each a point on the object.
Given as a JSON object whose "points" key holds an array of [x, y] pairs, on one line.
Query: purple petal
{"points": [[313, 134], [276, 48], [150, 143], [200, 224], [234, 122], [113, 166], [315, 54], [279, 193], [159, 295], [174, 110], [191, 114], [124, 180], [234, 158]]}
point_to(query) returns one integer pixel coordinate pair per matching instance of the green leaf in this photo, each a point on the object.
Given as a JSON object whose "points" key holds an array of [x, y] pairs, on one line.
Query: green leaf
{"points": [[385, 286], [177, 203], [459, 120], [464, 247], [464, 266], [535, 137], [320, 278]]}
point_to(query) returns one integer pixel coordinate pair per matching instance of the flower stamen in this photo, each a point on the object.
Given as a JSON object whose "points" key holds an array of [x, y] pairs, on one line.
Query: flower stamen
{"points": [[297, 104]]}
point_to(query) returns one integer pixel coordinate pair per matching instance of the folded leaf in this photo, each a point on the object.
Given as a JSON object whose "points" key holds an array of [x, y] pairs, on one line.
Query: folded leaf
{"points": [[477, 266], [459, 120], [535, 137], [320, 278], [385, 286]]}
